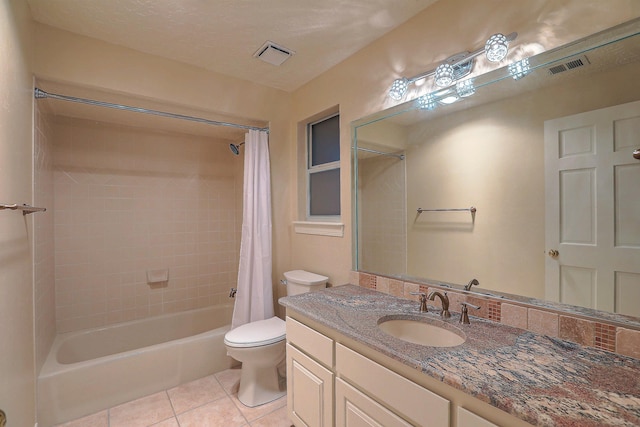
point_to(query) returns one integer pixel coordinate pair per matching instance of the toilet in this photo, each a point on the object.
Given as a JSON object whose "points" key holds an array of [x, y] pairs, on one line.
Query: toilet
{"points": [[260, 346]]}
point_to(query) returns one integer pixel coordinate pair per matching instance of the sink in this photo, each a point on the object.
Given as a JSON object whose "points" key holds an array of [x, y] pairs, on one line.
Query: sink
{"points": [[427, 332]]}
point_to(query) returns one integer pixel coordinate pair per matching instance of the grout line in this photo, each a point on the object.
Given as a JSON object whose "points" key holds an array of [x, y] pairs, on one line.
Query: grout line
{"points": [[175, 415]]}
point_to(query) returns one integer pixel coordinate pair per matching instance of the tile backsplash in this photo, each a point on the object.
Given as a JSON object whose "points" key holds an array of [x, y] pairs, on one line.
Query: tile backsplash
{"points": [[568, 326]]}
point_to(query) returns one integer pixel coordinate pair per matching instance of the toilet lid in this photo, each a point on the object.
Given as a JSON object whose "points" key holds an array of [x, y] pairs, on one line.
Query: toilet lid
{"points": [[254, 334]]}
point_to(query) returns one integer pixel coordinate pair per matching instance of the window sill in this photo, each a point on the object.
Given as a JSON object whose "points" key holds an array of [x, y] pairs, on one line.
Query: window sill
{"points": [[333, 229]]}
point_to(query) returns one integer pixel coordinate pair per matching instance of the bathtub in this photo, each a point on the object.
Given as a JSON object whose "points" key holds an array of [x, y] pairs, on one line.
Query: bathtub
{"points": [[91, 370]]}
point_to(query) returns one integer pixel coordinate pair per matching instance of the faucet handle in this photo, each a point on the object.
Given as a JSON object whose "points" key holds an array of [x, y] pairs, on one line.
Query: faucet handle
{"points": [[464, 314], [423, 301]]}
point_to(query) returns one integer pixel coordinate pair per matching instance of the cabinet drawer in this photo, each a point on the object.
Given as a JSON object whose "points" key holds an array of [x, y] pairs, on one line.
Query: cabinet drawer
{"points": [[311, 342], [414, 403], [354, 408], [469, 419]]}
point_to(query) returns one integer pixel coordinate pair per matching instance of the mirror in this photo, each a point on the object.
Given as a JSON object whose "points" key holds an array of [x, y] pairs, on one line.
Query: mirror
{"points": [[492, 201]]}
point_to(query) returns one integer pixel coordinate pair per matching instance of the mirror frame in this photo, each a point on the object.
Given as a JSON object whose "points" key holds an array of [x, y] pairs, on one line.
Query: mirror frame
{"points": [[582, 46]]}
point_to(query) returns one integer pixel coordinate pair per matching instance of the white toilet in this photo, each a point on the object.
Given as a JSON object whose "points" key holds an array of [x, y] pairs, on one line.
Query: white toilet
{"points": [[260, 346]]}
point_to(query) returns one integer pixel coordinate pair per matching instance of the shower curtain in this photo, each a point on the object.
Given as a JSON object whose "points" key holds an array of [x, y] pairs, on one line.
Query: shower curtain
{"points": [[254, 299]]}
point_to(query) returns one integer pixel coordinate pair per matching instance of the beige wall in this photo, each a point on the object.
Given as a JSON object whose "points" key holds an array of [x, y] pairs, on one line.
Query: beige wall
{"points": [[17, 384], [359, 84]]}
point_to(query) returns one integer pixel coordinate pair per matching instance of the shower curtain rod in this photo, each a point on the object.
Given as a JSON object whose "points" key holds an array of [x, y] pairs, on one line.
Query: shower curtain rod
{"points": [[39, 93]]}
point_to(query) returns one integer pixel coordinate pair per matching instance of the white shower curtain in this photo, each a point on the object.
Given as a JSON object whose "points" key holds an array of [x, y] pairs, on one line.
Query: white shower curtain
{"points": [[254, 299]]}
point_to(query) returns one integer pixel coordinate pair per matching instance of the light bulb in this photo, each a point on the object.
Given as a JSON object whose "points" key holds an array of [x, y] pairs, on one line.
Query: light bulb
{"points": [[519, 69], [496, 48], [398, 88], [465, 88], [444, 75], [427, 102]]}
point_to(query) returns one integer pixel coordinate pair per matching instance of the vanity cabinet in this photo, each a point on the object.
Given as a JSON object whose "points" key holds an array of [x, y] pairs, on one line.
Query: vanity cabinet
{"points": [[334, 381], [309, 376], [386, 389]]}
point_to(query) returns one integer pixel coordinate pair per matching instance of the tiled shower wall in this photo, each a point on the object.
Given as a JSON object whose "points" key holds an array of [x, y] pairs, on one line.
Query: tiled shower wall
{"points": [[130, 200], [44, 291]]}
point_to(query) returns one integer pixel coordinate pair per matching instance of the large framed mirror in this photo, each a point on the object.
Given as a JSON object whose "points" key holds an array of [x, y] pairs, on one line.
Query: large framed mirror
{"points": [[531, 185]]}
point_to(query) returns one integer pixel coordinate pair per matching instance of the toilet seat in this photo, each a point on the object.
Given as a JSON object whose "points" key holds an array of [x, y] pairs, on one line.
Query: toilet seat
{"points": [[256, 334]]}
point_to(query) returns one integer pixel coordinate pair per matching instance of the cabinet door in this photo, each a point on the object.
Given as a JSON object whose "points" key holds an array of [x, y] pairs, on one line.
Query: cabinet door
{"points": [[354, 409], [469, 419], [415, 403], [309, 391]]}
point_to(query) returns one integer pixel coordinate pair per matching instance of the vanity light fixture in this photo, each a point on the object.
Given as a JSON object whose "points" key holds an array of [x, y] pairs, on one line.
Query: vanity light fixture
{"points": [[519, 69], [457, 66], [465, 88], [427, 102]]}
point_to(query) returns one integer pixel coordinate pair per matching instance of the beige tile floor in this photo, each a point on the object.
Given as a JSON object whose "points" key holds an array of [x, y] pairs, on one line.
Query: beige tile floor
{"points": [[207, 402]]}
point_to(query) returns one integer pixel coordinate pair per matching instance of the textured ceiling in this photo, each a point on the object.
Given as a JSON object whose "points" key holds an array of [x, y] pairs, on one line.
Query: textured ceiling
{"points": [[223, 35]]}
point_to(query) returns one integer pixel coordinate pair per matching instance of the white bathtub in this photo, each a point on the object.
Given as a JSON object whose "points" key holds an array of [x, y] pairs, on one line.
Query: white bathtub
{"points": [[91, 370]]}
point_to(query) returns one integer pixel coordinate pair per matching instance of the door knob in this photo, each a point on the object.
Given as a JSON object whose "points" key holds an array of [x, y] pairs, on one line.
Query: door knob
{"points": [[636, 153], [553, 253]]}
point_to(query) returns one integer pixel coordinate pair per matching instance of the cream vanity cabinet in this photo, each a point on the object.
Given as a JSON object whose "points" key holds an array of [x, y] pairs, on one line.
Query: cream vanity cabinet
{"points": [[309, 376], [416, 405], [331, 384]]}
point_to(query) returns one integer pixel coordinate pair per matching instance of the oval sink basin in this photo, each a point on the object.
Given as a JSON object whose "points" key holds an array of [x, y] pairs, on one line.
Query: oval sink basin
{"points": [[423, 333]]}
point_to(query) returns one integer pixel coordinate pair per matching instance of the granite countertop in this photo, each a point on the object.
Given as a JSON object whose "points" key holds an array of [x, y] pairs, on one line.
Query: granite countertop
{"points": [[542, 380]]}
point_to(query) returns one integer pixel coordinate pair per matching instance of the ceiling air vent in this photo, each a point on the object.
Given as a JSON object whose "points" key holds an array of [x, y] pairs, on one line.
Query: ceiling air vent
{"points": [[273, 53], [581, 61]]}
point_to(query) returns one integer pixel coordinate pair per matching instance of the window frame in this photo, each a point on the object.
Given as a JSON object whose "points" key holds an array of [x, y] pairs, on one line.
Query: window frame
{"points": [[310, 169]]}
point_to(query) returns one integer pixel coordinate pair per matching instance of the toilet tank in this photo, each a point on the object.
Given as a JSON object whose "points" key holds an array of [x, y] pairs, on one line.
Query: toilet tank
{"points": [[300, 281]]}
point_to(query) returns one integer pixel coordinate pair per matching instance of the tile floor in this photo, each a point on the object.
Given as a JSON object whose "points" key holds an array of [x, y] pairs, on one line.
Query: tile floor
{"points": [[207, 402]]}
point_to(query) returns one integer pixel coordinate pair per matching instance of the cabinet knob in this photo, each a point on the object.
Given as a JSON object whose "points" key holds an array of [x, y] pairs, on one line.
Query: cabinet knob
{"points": [[636, 153], [553, 253]]}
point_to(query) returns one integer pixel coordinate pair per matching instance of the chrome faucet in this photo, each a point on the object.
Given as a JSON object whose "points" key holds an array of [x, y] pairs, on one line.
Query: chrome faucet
{"points": [[472, 282], [423, 301], [464, 313], [445, 302]]}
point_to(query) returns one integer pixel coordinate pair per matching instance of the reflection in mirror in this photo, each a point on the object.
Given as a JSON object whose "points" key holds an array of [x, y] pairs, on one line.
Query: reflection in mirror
{"points": [[545, 159]]}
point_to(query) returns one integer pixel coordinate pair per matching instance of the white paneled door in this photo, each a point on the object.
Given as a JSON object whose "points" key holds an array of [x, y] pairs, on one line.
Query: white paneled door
{"points": [[592, 186]]}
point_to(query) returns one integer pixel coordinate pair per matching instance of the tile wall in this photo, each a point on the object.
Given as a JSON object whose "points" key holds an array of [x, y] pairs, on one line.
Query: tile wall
{"points": [[129, 200], [588, 332]]}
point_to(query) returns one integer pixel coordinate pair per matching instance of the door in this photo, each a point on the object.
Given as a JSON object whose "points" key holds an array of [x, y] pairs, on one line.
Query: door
{"points": [[592, 186], [309, 391]]}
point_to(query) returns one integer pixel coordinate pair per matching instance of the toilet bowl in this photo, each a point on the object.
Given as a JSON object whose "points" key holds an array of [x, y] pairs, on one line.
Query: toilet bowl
{"points": [[260, 346]]}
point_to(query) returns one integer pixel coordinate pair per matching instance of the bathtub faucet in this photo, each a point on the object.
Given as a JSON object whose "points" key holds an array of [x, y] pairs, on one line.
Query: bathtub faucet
{"points": [[232, 292]]}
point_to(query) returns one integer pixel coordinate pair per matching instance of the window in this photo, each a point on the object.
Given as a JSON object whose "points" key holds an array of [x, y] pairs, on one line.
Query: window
{"points": [[323, 168]]}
